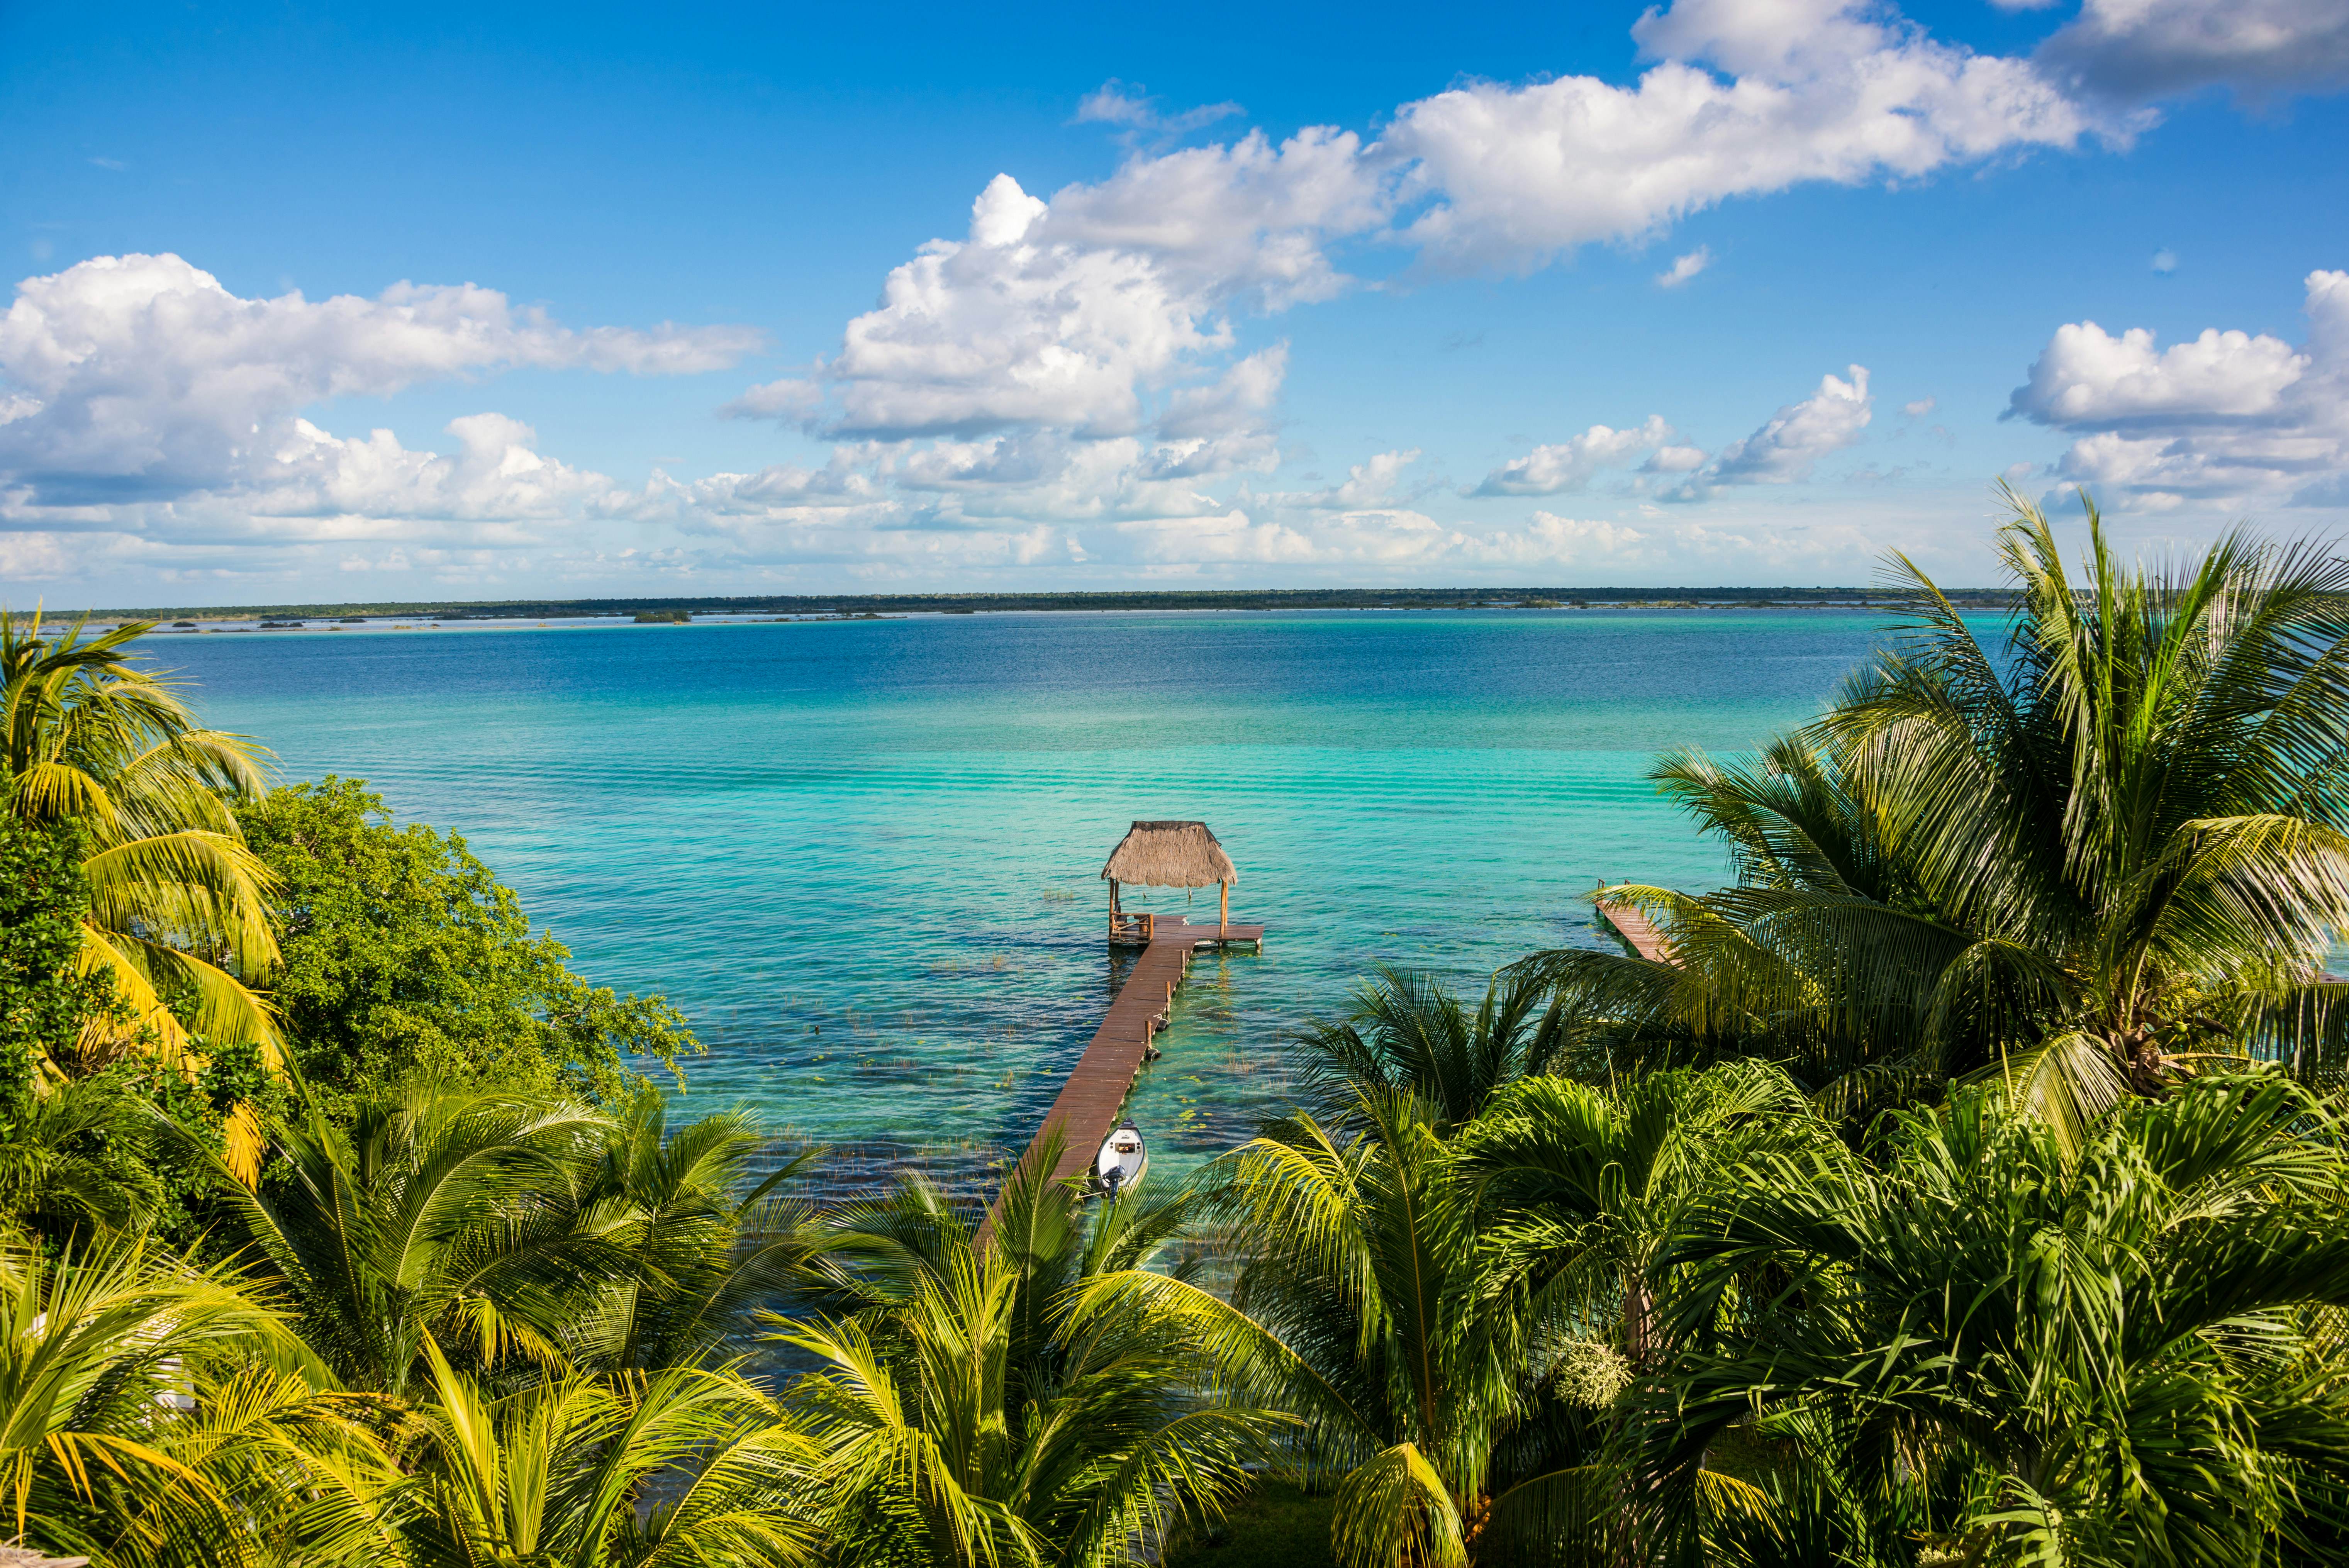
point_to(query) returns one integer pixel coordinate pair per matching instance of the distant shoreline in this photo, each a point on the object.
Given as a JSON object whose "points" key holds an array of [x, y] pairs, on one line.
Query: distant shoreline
{"points": [[856, 605]]}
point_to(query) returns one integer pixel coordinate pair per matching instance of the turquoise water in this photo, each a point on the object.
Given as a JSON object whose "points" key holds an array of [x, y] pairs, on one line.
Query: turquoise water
{"points": [[864, 856]]}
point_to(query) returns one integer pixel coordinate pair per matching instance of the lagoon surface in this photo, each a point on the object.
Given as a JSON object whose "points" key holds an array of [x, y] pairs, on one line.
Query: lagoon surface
{"points": [[864, 856]]}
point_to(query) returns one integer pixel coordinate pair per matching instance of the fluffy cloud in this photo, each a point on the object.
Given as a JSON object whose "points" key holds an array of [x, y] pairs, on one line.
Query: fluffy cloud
{"points": [[130, 378], [1367, 485], [1075, 312], [2225, 417], [1815, 91], [495, 473], [1066, 314], [1790, 444], [1570, 464], [2138, 50], [1685, 268], [1241, 398]]}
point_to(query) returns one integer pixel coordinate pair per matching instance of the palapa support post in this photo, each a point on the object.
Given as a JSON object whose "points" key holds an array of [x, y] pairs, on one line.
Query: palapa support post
{"points": [[1224, 915]]}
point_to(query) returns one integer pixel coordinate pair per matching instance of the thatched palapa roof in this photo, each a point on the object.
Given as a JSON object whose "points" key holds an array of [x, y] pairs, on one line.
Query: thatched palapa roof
{"points": [[1170, 855]]}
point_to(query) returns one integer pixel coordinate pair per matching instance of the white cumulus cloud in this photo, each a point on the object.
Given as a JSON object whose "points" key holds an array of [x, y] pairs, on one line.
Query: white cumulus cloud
{"points": [[137, 377], [1367, 485], [1570, 464], [495, 473], [2228, 416], [1789, 445], [1815, 91]]}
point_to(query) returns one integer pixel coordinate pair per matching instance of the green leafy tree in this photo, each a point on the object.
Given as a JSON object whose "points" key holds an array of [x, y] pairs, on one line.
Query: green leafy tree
{"points": [[80, 1151], [2083, 866], [403, 955], [45, 998]]}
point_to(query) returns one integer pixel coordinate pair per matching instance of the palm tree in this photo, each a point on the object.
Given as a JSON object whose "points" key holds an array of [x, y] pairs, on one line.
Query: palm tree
{"points": [[1007, 1402], [1408, 1033], [55, 1178], [2082, 867], [101, 1349], [2128, 1355], [179, 905], [1441, 1383], [440, 1212], [515, 1224], [706, 1249], [1598, 1184], [301, 1463], [684, 1467]]}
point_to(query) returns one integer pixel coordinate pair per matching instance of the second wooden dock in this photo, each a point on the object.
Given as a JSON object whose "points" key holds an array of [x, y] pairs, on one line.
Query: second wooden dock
{"points": [[1633, 925]]}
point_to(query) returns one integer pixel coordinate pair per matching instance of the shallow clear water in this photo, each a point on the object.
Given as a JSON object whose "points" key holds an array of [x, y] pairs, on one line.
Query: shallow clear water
{"points": [[864, 856]]}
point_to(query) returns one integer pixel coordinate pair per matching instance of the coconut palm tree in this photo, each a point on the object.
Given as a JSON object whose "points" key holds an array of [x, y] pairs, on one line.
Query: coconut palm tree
{"points": [[2126, 1355], [179, 905], [103, 1349], [2083, 864], [1005, 1401], [687, 1466], [301, 1464], [1442, 1382], [55, 1178], [1407, 1032], [706, 1248], [1595, 1186], [439, 1212]]}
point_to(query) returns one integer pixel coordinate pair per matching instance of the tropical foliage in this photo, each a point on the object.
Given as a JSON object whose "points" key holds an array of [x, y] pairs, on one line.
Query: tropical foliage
{"points": [[1028, 1396], [1963, 1186], [1407, 1032], [567, 1470], [486, 1226], [2088, 861], [2013, 1351]]}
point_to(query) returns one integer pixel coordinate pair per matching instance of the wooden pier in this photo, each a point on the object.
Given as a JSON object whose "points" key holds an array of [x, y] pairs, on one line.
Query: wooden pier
{"points": [[1637, 929], [1093, 1098]]}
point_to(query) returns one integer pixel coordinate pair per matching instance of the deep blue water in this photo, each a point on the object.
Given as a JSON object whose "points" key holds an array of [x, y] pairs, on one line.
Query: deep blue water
{"points": [[864, 856]]}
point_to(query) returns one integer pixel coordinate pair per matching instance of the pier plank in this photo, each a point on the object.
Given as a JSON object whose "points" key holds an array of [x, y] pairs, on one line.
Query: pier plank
{"points": [[1638, 930]]}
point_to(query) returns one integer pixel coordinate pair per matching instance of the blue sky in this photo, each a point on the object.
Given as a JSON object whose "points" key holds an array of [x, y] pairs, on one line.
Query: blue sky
{"points": [[1255, 295]]}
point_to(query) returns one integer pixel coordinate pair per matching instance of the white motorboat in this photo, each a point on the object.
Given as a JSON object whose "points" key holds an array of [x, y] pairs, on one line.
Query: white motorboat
{"points": [[1121, 1161]]}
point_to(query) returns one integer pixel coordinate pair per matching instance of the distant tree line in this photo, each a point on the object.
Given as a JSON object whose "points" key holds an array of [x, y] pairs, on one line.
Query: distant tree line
{"points": [[1106, 599]]}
